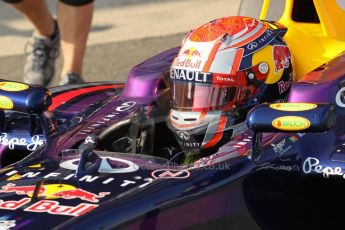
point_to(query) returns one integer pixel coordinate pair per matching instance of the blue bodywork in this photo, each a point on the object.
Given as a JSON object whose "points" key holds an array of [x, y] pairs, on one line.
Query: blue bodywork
{"points": [[263, 178]]}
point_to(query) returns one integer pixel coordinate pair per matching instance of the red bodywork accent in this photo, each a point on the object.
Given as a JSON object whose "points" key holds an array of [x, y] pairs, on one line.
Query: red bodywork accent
{"points": [[67, 96], [211, 57], [81, 194], [21, 190], [219, 133]]}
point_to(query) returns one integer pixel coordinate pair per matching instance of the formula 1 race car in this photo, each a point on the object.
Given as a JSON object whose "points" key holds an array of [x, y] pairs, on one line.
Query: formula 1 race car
{"points": [[101, 155]]}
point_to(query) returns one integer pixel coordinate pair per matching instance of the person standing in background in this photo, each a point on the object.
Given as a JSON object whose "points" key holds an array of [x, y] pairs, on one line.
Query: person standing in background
{"points": [[71, 30]]}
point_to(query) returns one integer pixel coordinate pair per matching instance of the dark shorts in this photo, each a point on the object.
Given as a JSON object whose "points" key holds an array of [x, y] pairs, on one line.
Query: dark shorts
{"points": [[68, 2]]}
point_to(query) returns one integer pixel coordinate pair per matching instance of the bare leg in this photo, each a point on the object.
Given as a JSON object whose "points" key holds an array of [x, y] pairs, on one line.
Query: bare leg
{"points": [[38, 13], [74, 23]]}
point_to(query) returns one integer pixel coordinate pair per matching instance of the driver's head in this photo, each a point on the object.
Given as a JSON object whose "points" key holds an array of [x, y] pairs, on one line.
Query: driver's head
{"points": [[224, 68]]}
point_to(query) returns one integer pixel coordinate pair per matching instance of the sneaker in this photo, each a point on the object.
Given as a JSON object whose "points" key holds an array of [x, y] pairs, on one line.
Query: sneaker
{"points": [[40, 62], [71, 78]]}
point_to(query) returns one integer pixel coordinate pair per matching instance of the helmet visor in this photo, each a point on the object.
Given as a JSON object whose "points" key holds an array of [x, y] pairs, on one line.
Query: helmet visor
{"points": [[200, 97]]}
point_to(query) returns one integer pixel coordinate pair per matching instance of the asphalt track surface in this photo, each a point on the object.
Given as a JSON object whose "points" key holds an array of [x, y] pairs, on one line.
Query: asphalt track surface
{"points": [[104, 62], [124, 33]]}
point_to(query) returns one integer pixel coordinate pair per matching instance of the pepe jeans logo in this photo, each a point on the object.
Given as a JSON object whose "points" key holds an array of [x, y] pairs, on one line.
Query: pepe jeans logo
{"points": [[36, 141], [312, 164], [291, 123], [6, 103], [293, 107]]}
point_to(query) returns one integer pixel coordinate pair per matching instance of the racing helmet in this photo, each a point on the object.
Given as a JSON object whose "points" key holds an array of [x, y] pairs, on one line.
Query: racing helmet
{"points": [[224, 68]]}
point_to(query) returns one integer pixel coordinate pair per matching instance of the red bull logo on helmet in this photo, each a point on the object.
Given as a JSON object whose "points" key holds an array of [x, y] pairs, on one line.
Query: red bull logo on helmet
{"points": [[189, 58], [192, 53], [284, 86], [187, 63], [281, 57]]}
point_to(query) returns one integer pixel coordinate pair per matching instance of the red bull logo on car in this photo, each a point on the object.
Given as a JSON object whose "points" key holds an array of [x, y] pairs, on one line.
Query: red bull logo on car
{"points": [[49, 191], [21, 190], [81, 194], [52, 191], [47, 206], [282, 57]]}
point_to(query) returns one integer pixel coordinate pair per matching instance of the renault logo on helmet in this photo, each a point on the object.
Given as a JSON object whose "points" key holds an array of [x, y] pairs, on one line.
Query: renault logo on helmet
{"points": [[183, 135]]}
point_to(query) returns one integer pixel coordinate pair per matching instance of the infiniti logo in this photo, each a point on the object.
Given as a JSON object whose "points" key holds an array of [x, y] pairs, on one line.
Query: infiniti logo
{"points": [[183, 135], [252, 46], [125, 106], [89, 140], [172, 174], [340, 97]]}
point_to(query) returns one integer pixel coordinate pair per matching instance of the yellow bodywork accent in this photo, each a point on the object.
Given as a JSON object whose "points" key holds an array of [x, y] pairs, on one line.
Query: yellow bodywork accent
{"points": [[14, 177], [5, 169], [52, 189], [264, 9], [263, 54], [35, 166], [6, 102], [313, 44]]}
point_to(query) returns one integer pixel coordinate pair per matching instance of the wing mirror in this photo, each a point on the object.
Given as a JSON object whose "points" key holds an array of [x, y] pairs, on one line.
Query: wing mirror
{"points": [[28, 99], [288, 118]]}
